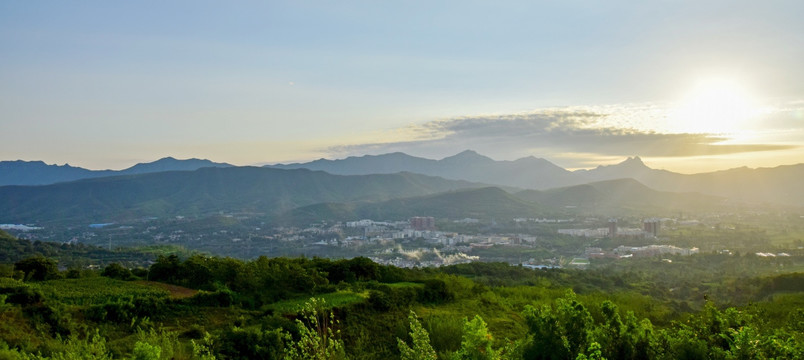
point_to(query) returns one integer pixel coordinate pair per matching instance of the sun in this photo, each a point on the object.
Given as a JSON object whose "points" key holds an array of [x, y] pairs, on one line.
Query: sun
{"points": [[717, 106]]}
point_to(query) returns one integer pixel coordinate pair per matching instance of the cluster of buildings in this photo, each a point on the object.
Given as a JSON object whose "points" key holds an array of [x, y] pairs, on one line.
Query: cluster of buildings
{"points": [[18, 227], [590, 233], [371, 223], [650, 229], [638, 251], [543, 220], [653, 250]]}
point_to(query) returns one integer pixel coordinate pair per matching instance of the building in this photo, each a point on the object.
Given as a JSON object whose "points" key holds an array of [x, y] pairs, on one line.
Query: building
{"points": [[653, 250], [360, 223], [594, 233], [422, 223], [651, 227], [612, 228]]}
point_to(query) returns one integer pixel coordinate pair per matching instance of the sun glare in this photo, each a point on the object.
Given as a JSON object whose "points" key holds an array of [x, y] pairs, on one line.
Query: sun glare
{"points": [[714, 106]]}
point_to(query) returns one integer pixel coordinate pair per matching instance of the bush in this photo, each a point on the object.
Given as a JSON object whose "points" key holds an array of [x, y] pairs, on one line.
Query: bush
{"points": [[145, 351], [379, 301], [218, 298], [251, 343], [58, 322], [195, 332], [73, 273], [123, 310], [23, 296], [436, 292], [140, 273]]}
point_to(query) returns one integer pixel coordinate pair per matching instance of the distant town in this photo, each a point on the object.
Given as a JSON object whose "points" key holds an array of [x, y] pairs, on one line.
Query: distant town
{"points": [[424, 241]]}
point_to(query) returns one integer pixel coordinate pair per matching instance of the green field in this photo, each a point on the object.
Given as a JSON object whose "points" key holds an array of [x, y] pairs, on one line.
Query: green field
{"points": [[336, 299], [95, 290]]}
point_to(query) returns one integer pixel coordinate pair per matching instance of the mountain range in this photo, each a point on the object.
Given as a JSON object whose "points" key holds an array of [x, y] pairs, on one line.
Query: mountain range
{"points": [[205, 191], [611, 197], [526, 173], [38, 173], [385, 187], [614, 196], [779, 185], [302, 196]]}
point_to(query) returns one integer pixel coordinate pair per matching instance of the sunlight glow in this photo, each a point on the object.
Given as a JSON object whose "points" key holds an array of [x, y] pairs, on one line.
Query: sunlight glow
{"points": [[714, 106]]}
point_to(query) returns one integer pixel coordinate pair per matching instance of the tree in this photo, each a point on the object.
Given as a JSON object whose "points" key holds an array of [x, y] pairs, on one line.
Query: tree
{"points": [[116, 271], [421, 349], [38, 268], [318, 339], [435, 291], [195, 272], [476, 342], [592, 353], [364, 268], [559, 332], [166, 269]]}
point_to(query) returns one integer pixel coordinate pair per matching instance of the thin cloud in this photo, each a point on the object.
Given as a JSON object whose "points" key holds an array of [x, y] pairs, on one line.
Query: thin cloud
{"points": [[552, 132]]}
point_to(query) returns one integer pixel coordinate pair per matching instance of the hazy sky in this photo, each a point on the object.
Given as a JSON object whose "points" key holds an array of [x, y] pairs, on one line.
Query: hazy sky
{"points": [[688, 85]]}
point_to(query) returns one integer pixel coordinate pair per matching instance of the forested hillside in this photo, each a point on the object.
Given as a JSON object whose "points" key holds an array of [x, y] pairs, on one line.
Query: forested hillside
{"points": [[487, 202], [299, 308], [204, 191]]}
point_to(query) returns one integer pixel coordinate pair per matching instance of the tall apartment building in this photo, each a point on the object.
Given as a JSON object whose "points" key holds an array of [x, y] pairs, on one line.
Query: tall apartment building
{"points": [[612, 228], [651, 227], [422, 223]]}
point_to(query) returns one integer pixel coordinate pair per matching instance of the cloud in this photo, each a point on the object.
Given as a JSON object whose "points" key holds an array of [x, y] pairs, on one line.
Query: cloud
{"points": [[788, 117], [550, 133]]}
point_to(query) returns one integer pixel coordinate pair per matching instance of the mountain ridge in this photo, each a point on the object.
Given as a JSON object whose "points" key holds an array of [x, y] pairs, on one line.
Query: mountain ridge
{"points": [[777, 185], [465, 165], [482, 202], [37, 172], [205, 191]]}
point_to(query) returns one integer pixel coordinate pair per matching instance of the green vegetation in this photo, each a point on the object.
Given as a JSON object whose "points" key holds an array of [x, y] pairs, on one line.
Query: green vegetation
{"points": [[72, 256], [486, 202], [335, 299], [204, 307], [96, 290], [204, 192]]}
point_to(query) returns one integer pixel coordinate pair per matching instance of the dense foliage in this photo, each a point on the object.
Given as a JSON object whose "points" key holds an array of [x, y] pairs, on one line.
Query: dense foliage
{"points": [[68, 255], [301, 308]]}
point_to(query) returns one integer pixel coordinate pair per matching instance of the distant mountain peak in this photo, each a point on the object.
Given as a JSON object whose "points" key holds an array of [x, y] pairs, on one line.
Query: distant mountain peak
{"points": [[467, 155], [630, 163], [169, 160], [531, 159], [634, 160]]}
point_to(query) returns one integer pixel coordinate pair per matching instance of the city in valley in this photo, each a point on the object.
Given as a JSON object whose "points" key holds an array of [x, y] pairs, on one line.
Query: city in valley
{"points": [[402, 180], [423, 241]]}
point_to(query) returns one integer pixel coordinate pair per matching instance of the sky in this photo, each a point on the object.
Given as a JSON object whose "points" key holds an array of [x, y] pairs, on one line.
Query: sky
{"points": [[689, 86]]}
